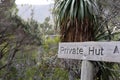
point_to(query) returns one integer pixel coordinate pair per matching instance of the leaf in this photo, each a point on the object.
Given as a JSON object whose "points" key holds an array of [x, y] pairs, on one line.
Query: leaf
{"points": [[67, 5], [90, 9], [72, 10], [106, 35], [76, 10], [81, 9]]}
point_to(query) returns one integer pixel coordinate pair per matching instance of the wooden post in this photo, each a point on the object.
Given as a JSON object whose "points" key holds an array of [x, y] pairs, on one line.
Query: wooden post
{"points": [[71, 75], [86, 70]]}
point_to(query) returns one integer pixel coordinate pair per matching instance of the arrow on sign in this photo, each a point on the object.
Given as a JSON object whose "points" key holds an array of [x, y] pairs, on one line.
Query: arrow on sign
{"points": [[116, 50]]}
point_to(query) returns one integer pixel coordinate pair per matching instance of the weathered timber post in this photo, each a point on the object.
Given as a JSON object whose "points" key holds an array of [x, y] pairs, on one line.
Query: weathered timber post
{"points": [[71, 75], [86, 70]]}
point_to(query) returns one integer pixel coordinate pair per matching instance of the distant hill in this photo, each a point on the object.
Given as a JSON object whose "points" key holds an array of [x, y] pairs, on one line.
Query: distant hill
{"points": [[40, 11]]}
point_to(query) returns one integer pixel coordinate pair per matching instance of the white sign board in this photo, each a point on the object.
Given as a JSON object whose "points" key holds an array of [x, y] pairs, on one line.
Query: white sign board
{"points": [[94, 51]]}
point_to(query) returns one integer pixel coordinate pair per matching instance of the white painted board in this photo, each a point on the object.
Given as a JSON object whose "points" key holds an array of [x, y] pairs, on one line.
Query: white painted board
{"points": [[94, 51]]}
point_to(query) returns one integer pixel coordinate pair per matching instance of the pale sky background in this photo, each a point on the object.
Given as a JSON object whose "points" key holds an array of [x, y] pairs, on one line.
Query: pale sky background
{"points": [[34, 2]]}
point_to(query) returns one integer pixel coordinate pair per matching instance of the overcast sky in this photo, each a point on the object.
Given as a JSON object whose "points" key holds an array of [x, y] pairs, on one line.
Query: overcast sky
{"points": [[34, 2]]}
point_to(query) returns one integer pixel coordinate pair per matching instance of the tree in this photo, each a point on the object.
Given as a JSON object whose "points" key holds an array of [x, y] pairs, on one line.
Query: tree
{"points": [[16, 37], [79, 21]]}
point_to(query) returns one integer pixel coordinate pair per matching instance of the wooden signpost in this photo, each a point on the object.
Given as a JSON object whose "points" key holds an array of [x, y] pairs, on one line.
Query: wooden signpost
{"points": [[94, 51], [90, 51]]}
